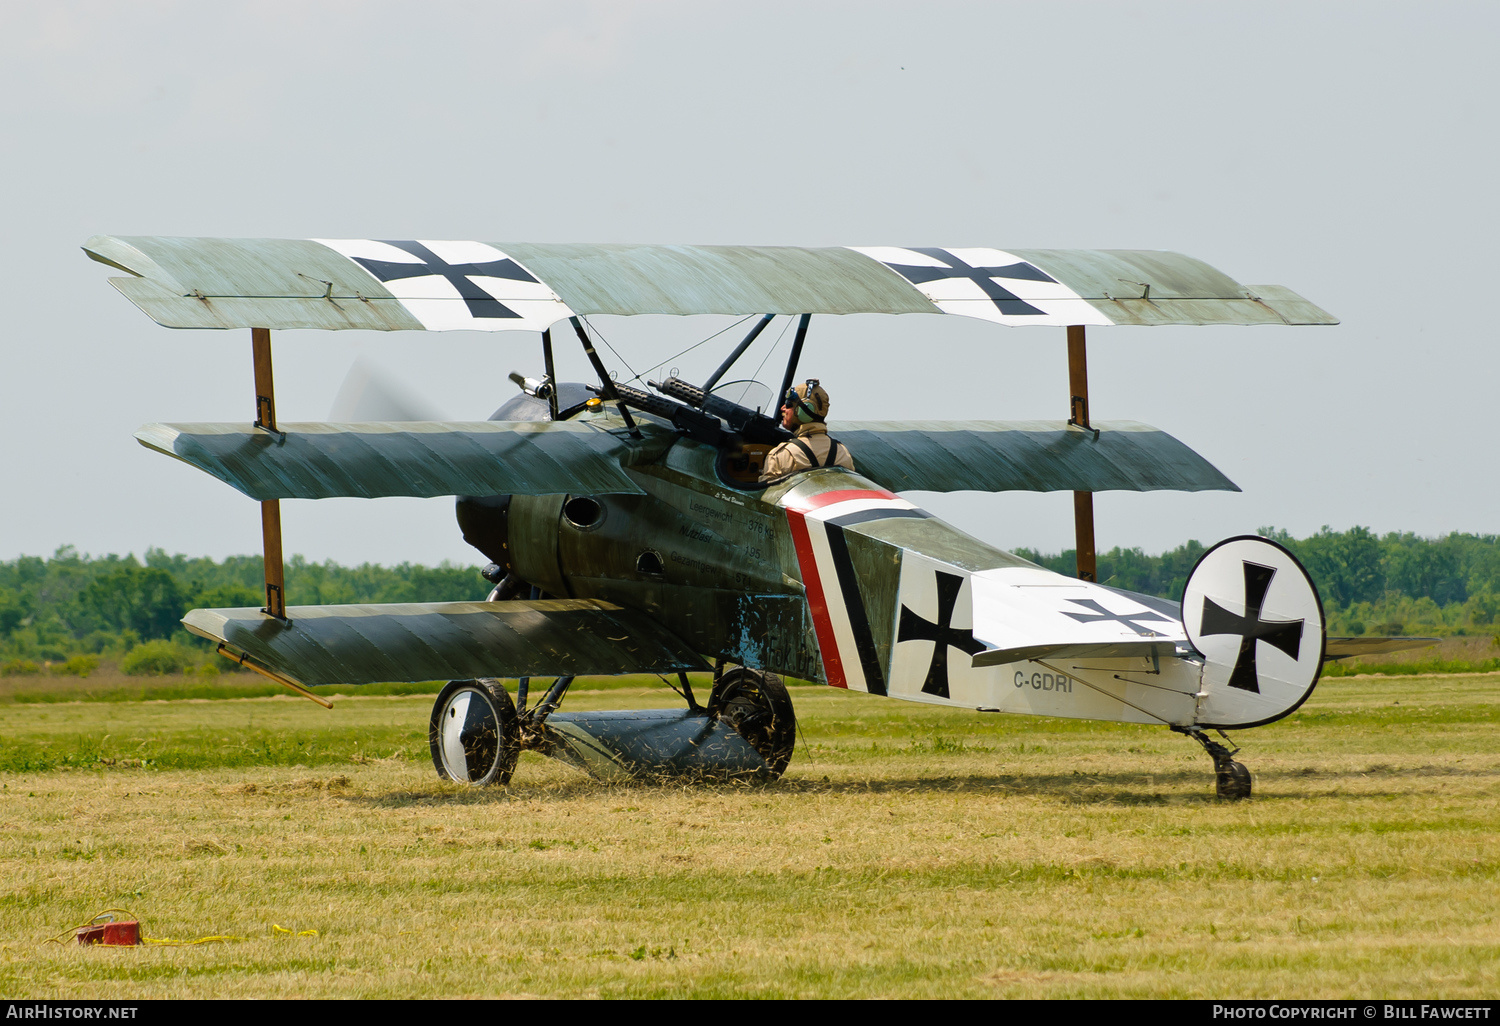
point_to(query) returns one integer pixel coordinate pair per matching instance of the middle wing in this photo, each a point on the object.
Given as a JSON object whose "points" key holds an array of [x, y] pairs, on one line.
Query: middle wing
{"points": [[320, 461], [1035, 455]]}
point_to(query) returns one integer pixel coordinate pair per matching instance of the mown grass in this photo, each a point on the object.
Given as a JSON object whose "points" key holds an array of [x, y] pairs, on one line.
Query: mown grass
{"points": [[909, 851]]}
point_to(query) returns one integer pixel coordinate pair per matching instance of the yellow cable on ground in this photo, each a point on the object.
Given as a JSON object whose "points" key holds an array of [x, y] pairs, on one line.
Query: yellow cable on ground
{"points": [[165, 941], [183, 944]]}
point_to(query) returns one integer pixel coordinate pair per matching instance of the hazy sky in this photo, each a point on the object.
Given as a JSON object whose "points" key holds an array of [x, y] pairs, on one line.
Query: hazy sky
{"points": [[1347, 151]]}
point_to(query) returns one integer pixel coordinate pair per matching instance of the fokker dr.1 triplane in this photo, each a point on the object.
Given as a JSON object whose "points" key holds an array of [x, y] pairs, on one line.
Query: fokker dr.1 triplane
{"points": [[630, 531]]}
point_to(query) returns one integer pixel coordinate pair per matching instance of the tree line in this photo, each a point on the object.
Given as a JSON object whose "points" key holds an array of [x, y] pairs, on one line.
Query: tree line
{"points": [[72, 605]]}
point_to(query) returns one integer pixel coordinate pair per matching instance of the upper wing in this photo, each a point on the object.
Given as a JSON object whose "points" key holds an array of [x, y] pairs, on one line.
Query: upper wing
{"points": [[366, 644], [439, 285], [319, 461], [1038, 456]]}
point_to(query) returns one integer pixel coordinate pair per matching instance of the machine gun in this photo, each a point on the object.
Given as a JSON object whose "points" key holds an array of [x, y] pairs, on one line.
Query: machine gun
{"points": [[695, 424], [751, 425], [701, 415]]}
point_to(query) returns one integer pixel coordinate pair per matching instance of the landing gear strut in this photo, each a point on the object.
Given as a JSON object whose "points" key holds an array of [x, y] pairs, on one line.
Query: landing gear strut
{"points": [[1231, 778]]}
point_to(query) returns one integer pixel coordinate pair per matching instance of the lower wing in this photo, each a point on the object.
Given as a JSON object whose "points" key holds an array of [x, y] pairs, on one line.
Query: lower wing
{"points": [[366, 644]]}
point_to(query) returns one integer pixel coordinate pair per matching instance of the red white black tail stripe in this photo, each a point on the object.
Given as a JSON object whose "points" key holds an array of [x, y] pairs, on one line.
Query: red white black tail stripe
{"points": [[840, 617]]}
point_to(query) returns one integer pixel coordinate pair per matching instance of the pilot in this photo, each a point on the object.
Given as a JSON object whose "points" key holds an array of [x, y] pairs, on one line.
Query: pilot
{"points": [[803, 412]]}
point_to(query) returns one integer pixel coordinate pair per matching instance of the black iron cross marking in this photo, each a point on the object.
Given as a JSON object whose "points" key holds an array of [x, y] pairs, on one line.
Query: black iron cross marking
{"points": [[945, 636], [1128, 619], [982, 276], [1284, 634], [480, 302]]}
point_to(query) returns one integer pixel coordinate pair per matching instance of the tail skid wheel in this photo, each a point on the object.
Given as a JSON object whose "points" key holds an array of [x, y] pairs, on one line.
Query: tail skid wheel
{"points": [[1231, 779], [756, 704], [475, 734]]}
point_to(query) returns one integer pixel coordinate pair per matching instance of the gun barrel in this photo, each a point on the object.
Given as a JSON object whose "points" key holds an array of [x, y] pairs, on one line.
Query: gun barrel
{"points": [[700, 425], [679, 389], [643, 400]]}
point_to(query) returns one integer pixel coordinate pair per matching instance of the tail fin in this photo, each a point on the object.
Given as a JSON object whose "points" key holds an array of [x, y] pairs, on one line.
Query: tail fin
{"points": [[1254, 613]]}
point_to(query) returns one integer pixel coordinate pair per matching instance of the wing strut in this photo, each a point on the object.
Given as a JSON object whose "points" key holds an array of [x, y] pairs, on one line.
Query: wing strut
{"points": [[1078, 413], [606, 383], [791, 363], [270, 510], [739, 351], [550, 372]]}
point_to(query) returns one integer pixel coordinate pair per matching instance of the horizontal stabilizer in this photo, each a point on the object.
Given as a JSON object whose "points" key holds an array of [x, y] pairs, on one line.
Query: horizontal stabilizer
{"points": [[367, 644], [1115, 650], [320, 461], [1027, 612], [1033, 455], [1336, 648], [1347, 648]]}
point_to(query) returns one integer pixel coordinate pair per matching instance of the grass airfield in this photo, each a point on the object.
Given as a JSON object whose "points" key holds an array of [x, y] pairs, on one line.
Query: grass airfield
{"points": [[908, 852]]}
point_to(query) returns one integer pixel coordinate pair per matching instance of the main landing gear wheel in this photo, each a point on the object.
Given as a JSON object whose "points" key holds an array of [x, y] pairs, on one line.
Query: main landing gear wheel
{"points": [[475, 734], [756, 704]]}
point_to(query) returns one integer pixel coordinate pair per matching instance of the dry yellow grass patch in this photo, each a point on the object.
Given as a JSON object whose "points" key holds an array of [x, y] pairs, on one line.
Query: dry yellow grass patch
{"points": [[908, 852]]}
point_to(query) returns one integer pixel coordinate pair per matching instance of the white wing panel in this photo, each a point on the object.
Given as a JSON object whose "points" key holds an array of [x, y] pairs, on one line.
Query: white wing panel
{"points": [[989, 284], [455, 284]]}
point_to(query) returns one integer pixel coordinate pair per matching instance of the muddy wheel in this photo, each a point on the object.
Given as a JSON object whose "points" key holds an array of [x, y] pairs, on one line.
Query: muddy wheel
{"points": [[475, 734], [756, 704], [1232, 779]]}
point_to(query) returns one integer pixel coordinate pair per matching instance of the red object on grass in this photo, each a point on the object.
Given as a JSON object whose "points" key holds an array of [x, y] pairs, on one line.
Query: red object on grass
{"points": [[126, 934]]}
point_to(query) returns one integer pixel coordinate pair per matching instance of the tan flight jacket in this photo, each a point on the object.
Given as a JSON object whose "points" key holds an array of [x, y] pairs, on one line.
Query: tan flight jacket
{"points": [[787, 458]]}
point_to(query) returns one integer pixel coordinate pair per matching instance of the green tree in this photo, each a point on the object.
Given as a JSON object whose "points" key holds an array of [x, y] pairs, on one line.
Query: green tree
{"points": [[1426, 567], [1345, 564], [147, 600]]}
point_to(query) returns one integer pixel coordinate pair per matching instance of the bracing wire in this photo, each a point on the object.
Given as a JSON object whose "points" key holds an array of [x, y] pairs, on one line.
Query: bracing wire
{"points": [[589, 324], [690, 348], [671, 685], [637, 376], [784, 329], [756, 376]]}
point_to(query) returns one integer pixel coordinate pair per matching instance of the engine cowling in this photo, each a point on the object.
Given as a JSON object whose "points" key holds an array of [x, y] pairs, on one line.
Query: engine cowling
{"points": [[486, 521]]}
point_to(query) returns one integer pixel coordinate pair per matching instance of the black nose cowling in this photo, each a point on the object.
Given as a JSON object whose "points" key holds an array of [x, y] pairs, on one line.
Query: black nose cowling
{"points": [[485, 519], [485, 523]]}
